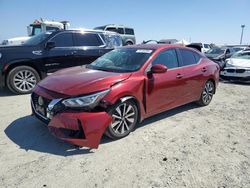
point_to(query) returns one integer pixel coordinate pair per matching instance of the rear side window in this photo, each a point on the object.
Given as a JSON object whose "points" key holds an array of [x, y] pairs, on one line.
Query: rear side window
{"points": [[87, 39], [188, 57], [167, 58], [129, 31], [197, 57], [63, 40]]}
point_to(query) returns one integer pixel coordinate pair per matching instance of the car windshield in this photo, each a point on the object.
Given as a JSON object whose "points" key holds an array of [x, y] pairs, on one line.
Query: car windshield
{"points": [[216, 51], [242, 55], [122, 60], [37, 39]]}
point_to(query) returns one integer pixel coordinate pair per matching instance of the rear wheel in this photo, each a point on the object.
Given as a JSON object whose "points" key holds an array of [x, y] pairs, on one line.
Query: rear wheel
{"points": [[124, 118], [129, 43], [22, 79], [207, 93]]}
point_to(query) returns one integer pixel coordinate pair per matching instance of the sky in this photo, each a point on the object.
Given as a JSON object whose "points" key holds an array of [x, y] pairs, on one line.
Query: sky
{"points": [[212, 21]]}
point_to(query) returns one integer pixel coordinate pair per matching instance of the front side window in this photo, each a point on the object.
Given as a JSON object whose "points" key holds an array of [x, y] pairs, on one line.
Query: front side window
{"points": [[36, 30], [206, 46], [188, 57], [63, 40], [111, 29], [167, 58], [35, 40], [122, 60], [87, 39]]}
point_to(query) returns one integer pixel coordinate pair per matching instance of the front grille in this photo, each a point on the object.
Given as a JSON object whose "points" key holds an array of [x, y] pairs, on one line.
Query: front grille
{"points": [[40, 107], [240, 70], [231, 70]]}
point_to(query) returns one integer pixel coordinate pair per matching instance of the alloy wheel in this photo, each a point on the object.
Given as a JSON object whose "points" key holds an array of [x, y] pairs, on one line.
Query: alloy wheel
{"points": [[24, 80], [124, 117], [208, 92]]}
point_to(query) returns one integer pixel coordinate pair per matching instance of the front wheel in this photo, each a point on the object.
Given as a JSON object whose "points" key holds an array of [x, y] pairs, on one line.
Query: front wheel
{"points": [[124, 118], [207, 94], [22, 79]]}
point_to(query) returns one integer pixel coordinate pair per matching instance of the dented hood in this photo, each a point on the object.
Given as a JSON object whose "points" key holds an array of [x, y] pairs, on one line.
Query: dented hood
{"points": [[81, 80]]}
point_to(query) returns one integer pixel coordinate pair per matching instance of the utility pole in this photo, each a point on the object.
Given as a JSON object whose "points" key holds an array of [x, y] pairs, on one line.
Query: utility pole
{"points": [[242, 31]]}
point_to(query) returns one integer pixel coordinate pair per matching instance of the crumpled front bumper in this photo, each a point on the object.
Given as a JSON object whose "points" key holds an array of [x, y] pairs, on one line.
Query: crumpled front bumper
{"points": [[235, 74], [81, 128]]}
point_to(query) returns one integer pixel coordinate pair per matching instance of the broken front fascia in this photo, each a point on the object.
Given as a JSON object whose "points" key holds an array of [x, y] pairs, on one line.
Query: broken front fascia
{"points": [[81, 129]]}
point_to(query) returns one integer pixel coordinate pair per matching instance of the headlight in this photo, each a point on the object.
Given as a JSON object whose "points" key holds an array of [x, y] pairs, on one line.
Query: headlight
{"points": [[85, 101], [0, 55]]}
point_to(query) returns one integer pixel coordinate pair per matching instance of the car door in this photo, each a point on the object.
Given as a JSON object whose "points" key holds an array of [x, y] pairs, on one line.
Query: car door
{"points": [[88, 47], [62, 54], [163, 90], [192, 74]]}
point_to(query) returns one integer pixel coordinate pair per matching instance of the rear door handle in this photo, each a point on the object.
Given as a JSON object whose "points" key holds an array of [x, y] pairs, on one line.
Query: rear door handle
{"points": [[204, 69], [179, 76]]}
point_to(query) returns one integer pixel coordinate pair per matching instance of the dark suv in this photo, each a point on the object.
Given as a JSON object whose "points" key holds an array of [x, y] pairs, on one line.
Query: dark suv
{"points": [[22, 67]]}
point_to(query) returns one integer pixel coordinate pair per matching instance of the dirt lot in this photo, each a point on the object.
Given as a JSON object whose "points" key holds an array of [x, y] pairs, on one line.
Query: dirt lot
{"points": [[185, 147]]}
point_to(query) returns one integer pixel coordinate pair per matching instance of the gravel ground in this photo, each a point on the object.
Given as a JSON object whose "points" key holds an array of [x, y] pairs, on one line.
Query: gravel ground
{"points": [[189, 146]]}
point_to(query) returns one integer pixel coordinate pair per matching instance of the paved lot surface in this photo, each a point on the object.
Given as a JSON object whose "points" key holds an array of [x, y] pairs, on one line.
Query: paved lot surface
{"points": [[185, 147]]}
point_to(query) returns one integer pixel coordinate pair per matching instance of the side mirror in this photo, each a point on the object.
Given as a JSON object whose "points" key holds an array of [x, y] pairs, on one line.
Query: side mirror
{"points": [[50, 45], [156, 69]]}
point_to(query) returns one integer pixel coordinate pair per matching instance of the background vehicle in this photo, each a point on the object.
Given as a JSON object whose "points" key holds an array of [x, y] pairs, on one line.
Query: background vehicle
{"points": [[127, 33], [219, 55], [237, 67], [21, 67], [204, 47], [38, 26], [120, 89], [238, 48]]}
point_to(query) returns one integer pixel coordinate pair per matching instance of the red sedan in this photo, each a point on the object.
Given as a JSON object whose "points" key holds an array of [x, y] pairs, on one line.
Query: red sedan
{"points": [[120, 89]]}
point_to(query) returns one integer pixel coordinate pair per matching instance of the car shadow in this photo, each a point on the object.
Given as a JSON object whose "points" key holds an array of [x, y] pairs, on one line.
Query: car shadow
{"points": [[4, 92], [235, 83], [31, 134], [167, 114]]}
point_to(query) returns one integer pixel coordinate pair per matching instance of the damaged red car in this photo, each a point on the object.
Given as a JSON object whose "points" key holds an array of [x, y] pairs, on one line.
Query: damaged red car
{"points": [[118, 90]]}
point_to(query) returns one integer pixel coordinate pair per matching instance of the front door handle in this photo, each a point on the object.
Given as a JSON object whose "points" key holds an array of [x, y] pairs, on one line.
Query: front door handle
{"points": [[179, 76]]}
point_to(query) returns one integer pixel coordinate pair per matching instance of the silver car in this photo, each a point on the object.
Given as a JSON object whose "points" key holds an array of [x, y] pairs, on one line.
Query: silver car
{"points": [[237, 67], [127, 33]]}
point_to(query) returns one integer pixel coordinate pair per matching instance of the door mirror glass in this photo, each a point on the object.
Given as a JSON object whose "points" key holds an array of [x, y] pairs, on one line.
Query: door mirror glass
{"points": [[157, 68], [50, 45]]}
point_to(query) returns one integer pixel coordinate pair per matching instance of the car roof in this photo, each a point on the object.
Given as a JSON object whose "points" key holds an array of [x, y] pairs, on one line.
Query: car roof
{"points": [[155, 46], [115, 25], [86, 30]]}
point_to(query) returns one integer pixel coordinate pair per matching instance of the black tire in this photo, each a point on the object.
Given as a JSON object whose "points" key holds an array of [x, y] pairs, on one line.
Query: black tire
{"points": [[129, 43], [22, 79], [126, 121], [207, 93]]}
